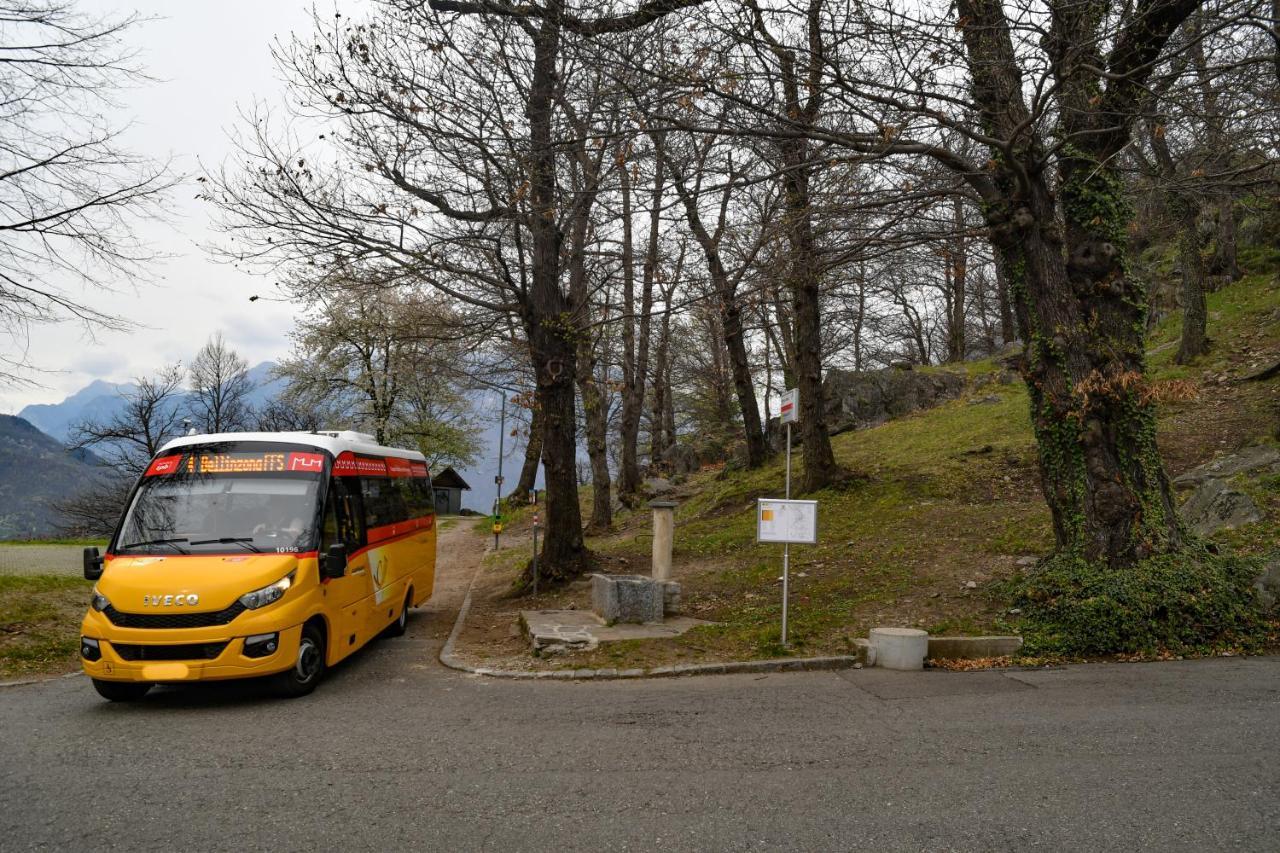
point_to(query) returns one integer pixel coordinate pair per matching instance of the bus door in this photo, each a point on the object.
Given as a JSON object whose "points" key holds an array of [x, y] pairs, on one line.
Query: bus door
{"points": [[385, 517], [347, 597]]}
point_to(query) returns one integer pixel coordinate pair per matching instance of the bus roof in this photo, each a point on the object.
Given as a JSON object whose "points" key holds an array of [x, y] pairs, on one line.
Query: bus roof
{"points": [[333, 441]]}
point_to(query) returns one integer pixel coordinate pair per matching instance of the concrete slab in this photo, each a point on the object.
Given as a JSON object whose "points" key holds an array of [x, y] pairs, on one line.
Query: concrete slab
{"points": [[553, 631]]}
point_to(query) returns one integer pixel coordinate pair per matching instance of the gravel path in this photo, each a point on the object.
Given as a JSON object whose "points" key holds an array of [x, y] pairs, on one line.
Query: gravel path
{"points": [[41, 559]]}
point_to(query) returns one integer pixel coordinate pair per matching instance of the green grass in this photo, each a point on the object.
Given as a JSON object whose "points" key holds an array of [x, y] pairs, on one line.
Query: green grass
{"points": [[1243, 312], [99, 542], [39, 623]]}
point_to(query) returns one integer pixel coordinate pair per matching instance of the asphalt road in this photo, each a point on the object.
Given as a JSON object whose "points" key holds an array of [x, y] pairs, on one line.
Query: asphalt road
{"points": [[394, 752]]}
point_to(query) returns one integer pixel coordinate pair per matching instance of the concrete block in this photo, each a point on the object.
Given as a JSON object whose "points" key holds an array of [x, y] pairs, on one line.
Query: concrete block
{"points": [[626, 598], [899, 648], [670, 597], [972, 648]]}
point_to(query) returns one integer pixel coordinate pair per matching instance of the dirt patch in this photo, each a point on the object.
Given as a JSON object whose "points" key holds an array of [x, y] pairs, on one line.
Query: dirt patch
{"points": [[40, 624]]}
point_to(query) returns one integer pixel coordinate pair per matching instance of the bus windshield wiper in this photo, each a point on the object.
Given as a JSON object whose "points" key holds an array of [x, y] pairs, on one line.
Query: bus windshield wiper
{"points": [[245, 542], [172, 543]]}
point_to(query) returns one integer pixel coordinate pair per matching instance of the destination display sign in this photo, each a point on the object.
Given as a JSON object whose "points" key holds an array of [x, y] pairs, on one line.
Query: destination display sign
{"points": [[265, 462]]}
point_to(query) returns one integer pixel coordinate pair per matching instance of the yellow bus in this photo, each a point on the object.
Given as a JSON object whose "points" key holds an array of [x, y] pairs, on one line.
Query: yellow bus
{"points": [[258, 554]]}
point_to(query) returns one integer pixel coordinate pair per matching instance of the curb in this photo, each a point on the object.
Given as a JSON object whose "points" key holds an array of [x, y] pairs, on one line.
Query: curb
{"points": [[449, 659]]}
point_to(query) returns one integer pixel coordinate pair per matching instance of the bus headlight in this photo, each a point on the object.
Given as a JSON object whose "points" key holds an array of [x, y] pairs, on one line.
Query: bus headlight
{"points": [[266, 595], [99, 602]]}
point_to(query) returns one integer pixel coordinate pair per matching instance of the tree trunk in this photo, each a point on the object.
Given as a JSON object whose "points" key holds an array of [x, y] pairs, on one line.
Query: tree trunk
{"points": [[532, 455], [1008, 326], [632, 390], [551, 340], [957, 269], [730, 325], [659, 439], [1224, 262], [820, 467], [861, 322], [1195, 312], [593, 411], [1082, 317], [635, 366]]}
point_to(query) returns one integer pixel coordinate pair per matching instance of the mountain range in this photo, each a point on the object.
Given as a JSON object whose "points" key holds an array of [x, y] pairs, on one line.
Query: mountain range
{"points": [[100, 400]]}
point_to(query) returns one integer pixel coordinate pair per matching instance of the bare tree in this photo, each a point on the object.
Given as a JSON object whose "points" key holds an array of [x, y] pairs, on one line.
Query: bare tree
{"points": [[220, 385], [287, 416], [152, 414], [70, 195], [454, 143], [380, 357], [725, 273]]}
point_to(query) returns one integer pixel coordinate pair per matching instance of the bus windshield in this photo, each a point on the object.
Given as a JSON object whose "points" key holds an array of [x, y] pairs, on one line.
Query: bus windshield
{"points": [[212, 501]]}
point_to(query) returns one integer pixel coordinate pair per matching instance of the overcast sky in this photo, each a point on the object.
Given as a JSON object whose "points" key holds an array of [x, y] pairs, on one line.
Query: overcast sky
{"points": [[210, 57]]}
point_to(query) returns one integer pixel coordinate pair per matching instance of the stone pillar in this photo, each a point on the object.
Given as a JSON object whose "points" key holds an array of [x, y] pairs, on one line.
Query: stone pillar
{"points": [[664, 527]]}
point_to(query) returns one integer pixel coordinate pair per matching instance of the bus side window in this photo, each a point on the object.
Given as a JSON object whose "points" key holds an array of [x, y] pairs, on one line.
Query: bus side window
{"points": [[383, 501], [422, 498], [342, 517]]}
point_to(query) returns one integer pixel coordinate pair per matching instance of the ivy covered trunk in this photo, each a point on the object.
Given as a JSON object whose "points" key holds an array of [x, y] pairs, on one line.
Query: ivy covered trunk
{"points": [[1083, 320], [1059, 223]]}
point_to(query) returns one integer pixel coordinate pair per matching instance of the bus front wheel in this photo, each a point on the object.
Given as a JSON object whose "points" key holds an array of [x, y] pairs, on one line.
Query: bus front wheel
{"points": [[308, 666]]}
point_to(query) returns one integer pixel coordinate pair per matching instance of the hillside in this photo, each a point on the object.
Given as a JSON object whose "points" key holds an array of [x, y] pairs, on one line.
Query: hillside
{"points": [[946, 506], [35, 471]]}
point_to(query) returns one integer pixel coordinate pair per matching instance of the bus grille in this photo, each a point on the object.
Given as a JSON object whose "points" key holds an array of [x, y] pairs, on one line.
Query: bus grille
{"points": [[173, 620], [190, 651]]}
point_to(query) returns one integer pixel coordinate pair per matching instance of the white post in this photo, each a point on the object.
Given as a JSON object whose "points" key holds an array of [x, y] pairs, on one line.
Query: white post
{"points": [[663, 538], [786, 548]]}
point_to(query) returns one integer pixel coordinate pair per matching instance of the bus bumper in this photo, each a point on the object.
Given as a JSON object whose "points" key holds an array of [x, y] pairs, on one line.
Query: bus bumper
{"points": [[119, 660]]}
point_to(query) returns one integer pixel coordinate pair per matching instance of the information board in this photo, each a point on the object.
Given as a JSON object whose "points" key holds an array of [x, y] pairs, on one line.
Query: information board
{"points": [[779, 520]]}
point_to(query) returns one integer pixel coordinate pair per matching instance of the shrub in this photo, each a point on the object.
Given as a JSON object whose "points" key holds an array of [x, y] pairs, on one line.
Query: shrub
{"points": [[1187, 601]]}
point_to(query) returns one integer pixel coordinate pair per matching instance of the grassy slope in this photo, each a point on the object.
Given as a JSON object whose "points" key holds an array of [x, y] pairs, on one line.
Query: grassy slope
{"points": [[947, 497]]}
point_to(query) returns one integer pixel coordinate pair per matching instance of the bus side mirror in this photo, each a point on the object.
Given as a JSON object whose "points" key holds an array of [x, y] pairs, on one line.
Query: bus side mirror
{"points": [[334, 563], [92, 564]]}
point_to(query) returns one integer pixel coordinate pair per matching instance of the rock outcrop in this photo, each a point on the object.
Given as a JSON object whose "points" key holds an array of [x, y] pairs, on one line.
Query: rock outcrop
{"points": [[1259, 459], [1216, 506], [860, 399]]}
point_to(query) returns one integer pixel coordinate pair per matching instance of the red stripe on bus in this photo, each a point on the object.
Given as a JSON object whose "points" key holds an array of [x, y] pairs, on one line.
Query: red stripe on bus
{"points": [[388, 533]]}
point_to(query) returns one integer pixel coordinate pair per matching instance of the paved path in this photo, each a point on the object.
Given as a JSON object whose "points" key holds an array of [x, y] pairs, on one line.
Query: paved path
{"points": [[394, 752]]}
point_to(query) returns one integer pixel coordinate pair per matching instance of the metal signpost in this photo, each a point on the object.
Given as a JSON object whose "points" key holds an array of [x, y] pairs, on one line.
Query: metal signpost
{"points": [[497, 497], [533, 499], [787, 521]]}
